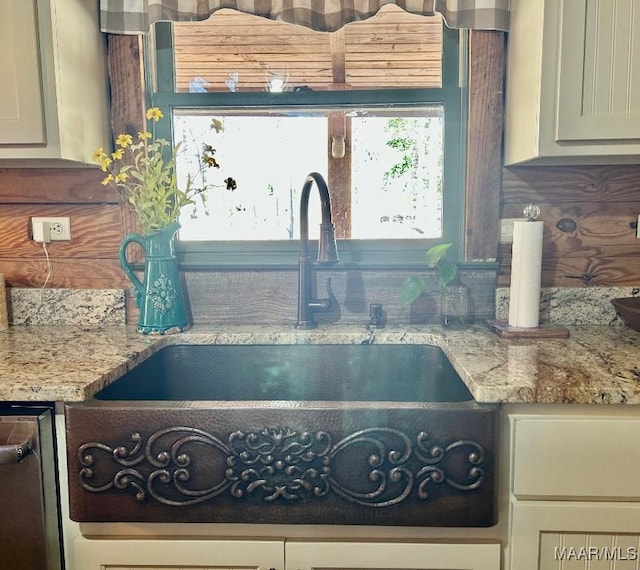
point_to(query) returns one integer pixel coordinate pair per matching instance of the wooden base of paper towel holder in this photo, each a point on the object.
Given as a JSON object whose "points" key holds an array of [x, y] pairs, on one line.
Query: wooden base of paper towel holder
{"points": [[504, 330]]}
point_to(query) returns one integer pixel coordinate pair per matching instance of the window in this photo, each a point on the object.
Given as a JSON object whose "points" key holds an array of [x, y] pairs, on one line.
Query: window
{"points": [[376, 108]]}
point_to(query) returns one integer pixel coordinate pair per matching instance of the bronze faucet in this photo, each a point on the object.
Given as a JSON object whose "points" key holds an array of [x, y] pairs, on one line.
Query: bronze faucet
{"points": [[327, 252]]}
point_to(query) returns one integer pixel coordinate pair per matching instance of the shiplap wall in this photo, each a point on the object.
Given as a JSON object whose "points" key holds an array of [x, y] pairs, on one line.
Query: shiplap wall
{"points": [[589, 216], [90, 259]]}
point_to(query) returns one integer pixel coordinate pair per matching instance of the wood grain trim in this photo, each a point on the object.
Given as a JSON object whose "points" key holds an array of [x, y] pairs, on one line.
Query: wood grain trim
{"points": [[338, 50], [67, 273], [487, 57], [54, 186], [126, 76], [571, 184]]}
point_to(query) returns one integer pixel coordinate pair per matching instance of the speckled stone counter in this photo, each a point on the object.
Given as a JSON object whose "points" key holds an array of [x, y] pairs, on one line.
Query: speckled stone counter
{"points": [[596, 365]]}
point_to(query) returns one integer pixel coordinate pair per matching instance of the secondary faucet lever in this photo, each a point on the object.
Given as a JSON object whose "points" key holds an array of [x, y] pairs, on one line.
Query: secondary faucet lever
{"points": [[376, 316], [327, 251]]}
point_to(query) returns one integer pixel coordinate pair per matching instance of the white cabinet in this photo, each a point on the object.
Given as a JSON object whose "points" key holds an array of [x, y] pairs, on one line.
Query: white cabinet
{"points": [[559, 535], [573, 82], [21, 107], [414, 556], [280, 555], [179, 554], [54, 104], [575, 492]]}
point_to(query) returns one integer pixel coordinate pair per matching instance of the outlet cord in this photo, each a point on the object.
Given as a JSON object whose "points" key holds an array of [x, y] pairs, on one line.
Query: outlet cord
{"points": [[44, 285]]}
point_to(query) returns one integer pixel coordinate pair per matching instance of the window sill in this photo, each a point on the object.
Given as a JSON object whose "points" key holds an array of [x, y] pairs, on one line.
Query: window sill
{"points": [[273, 256]]}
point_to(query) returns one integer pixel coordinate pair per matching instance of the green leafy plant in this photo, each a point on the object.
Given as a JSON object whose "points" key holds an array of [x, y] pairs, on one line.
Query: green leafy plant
{"points": [[436, 257], [144, 174]]}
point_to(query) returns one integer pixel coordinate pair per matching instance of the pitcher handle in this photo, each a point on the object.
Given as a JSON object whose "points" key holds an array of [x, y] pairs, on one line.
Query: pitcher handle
{"points": [[142, 242]]}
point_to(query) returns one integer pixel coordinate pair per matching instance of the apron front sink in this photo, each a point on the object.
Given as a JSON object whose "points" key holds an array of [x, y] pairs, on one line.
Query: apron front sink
{"points": [[285, 434]]}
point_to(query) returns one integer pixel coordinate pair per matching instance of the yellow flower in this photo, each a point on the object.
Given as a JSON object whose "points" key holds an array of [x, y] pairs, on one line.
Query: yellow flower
{"points": [[216, 125], [98, 155], [149, 182], [124, 141], [154, 114], [104, 163]]}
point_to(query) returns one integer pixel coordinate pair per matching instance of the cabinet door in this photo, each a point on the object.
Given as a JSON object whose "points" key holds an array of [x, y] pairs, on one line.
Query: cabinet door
{"points": [[376, 555], [178, 554], [573, 82], [562, 535], [21, 109], [599, 75]]}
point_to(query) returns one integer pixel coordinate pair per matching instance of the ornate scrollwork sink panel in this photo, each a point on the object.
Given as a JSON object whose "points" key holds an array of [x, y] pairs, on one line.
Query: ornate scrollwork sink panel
{"points": [[417, 465]]}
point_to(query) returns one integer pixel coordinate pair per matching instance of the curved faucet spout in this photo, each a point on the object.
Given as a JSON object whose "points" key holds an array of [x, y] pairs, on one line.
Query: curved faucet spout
{"points": [[327, 251]]}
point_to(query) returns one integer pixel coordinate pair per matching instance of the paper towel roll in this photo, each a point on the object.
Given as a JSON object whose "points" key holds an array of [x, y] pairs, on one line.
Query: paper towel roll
{"points": [[4, 317], [526, 272]]}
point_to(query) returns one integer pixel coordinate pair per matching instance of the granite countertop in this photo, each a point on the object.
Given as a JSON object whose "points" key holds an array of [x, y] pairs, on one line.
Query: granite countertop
{"points": [[595, 365]]}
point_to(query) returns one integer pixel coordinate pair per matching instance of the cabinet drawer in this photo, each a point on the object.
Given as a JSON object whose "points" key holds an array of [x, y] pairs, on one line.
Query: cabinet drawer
{"points": [[390, 556], [590, 458]]}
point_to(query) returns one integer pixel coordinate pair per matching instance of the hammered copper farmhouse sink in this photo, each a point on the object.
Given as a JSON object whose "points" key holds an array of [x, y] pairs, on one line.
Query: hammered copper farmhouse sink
{"points": [[288, 434]]}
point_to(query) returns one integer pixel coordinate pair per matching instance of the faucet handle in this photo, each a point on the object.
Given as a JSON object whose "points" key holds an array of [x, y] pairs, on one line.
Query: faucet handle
{"points": [[325, 304]]}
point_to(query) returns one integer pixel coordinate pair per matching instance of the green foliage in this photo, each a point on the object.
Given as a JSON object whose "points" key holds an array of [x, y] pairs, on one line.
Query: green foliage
{"points": [[144, 174], [404, 141], [436, 257], [412, 288]]}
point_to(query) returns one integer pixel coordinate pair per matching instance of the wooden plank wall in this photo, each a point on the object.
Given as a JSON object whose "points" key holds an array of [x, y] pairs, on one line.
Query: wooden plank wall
{"points": [[589, 213], [90, 259]]}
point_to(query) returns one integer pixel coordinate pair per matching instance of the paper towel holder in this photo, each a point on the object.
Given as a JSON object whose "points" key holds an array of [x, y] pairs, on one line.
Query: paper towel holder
{"points": [[504, 329]]}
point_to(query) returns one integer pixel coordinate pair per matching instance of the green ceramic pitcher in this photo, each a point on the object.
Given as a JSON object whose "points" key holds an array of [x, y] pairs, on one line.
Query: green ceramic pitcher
{"points": [[160, 295]]}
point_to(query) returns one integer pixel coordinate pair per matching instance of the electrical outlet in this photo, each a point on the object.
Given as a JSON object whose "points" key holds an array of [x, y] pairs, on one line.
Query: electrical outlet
{"points": [[59, 227]]}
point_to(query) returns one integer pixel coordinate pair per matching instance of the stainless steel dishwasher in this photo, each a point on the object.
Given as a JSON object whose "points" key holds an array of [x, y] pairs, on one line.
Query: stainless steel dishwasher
{"points": [[29, 519]]}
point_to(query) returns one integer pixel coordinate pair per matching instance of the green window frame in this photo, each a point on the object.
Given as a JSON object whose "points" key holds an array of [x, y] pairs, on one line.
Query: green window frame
{"points": [[354, 253]]}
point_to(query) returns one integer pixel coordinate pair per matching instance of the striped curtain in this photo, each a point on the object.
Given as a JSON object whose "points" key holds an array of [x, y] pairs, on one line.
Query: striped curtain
{"points": [[136, 16]]}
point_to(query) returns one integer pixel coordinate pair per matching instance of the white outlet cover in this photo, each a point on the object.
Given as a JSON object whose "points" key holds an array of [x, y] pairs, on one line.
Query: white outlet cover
{"points": [[59, 226]]}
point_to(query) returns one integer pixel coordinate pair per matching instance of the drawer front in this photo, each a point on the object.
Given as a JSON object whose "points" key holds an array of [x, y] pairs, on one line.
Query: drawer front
{"points": [[579, 457]]}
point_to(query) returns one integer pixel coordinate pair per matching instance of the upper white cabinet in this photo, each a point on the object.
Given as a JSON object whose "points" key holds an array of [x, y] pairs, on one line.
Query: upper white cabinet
{"points": [[573, 82], [21, 111], [54, 104]]}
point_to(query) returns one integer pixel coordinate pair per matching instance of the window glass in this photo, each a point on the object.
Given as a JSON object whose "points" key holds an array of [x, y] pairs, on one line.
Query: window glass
{"points": [[282, 151], [395, 161], [397, 175]]}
